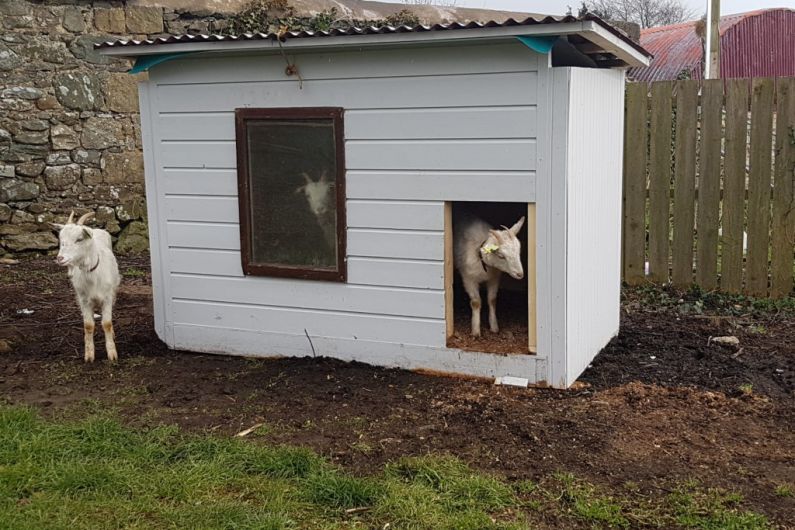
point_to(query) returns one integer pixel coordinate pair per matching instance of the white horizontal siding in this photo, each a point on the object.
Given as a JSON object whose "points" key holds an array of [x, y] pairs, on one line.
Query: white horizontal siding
{"points": [[509, 89], [377, 124], [218, 339], [507, 186], [354, 64], [383, 272], [293, 321], [422, 126], [395, 214], [396, 244], [304, 294]]}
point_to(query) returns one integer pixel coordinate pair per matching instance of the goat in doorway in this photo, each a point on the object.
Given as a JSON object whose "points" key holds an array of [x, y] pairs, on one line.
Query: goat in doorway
{"points": [[482, 254]]}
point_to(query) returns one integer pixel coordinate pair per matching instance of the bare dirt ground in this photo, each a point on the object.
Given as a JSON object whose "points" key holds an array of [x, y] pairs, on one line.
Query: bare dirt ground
{"points": [[660, 405]]}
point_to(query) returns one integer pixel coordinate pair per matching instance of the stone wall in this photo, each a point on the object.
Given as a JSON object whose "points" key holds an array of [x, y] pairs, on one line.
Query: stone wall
{"points": [[69, 125]]}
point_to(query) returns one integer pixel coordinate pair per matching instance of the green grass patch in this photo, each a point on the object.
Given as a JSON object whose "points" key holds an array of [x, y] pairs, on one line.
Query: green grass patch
{"points": [[95, 473]]}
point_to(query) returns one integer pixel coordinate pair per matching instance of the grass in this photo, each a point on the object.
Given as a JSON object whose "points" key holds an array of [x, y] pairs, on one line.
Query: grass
{"points": [[95, 473]]}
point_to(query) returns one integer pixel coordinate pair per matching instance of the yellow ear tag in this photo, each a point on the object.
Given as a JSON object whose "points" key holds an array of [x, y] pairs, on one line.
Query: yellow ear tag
{"points": [[488, 249]]}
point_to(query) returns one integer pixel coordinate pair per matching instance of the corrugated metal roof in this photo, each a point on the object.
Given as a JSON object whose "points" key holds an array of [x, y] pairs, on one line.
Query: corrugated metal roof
{"points": [[753, 44], [371, 30]]}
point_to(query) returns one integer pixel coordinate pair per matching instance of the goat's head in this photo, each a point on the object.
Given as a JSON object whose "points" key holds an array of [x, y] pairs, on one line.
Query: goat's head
{"points": [[74, 239], [317, 193], [503, 251]]}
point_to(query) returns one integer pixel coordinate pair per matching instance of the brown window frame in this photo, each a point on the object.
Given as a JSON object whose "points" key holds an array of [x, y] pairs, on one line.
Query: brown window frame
{"points": [[250, 268]]}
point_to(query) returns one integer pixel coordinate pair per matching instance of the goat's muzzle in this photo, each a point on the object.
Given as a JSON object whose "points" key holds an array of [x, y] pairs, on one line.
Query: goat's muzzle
{"points": [[60, 260]]}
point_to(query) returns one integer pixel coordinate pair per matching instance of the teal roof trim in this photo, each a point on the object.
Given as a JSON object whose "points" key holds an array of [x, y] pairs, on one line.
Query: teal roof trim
{"points": [[541, 45], [145, 62]]}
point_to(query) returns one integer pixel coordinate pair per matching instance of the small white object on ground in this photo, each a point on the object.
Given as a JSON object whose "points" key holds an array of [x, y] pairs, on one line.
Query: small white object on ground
{"points": [[726, 341], [24, 311], [512, 381], [248, 431]]}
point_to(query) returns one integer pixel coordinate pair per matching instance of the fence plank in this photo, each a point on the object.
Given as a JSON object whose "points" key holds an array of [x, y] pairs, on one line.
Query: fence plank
{"points": [[759, 186], [783, 232], [709, 184], [635, 182], [684, 182], [660, 180], [732, 223]]}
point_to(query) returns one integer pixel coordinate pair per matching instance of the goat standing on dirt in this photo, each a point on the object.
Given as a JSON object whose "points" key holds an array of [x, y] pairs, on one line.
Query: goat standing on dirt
{"points": [[482, 254], [88, 255]]}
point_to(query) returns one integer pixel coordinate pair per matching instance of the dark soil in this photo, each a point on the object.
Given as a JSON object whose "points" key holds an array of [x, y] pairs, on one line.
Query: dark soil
{"points": [[658, 406]]}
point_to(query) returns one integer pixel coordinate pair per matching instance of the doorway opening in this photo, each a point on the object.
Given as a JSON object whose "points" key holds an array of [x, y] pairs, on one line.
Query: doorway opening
{"points": [[516, 298]]}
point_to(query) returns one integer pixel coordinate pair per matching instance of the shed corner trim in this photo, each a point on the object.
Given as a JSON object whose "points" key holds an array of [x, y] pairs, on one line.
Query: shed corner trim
{"points": [[144, 62]]}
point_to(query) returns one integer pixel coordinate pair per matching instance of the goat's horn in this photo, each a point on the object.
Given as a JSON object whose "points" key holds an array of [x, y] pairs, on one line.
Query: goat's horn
{"points": [[85, 217], [71, 218]]}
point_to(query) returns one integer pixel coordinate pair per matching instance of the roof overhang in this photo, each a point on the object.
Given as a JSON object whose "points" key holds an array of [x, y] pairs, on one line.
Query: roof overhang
{"points": [[601, 40]]}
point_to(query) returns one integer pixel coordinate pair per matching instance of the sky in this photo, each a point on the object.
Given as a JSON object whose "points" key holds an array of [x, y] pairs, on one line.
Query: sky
{"points": [[557, 7]]}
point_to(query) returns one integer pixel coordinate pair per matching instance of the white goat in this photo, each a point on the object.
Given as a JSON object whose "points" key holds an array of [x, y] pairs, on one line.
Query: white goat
{"points": [[318, 195], [482, 254], [88, 255]]}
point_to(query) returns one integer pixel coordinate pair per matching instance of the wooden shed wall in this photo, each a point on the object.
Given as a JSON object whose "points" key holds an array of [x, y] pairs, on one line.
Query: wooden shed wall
{"points": [[589, 114], [422, 126]]}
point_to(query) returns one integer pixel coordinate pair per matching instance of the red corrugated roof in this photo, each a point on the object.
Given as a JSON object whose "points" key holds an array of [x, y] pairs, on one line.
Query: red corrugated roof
{"points": [[753, 44]]}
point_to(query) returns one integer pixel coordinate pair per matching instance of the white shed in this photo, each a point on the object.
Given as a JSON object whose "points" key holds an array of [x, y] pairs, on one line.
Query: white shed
{"points": [[300, 192]]}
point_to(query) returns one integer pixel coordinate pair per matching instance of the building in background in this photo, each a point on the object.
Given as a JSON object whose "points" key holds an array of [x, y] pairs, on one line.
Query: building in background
{"points": [[753, 44]]}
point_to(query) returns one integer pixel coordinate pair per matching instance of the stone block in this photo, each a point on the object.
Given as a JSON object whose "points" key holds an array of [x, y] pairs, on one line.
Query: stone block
{"points": [[73, 19], [142, 19], [92, 176], [32, 137], [35, 125], [9, 59], [63, 137], [5, 213], [124, 167], [109, 20], [83, 48], [59, 158], [32, 241], [60, 178], [121, 92], [7, 170], [30, 169], [13, 190], [134, 239], [20, 217], [80, 91], [46, 51], [88, 157], [101, 133], [22, 92], [47, 102]]}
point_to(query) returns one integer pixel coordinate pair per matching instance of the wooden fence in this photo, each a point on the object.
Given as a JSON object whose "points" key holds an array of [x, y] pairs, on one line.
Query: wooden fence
{"points": [[709, 165]]}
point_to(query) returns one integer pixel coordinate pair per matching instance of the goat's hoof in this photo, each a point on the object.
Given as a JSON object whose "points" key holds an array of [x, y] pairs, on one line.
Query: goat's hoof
{"points": [[113, 359], [495, 330], [89, 359]]}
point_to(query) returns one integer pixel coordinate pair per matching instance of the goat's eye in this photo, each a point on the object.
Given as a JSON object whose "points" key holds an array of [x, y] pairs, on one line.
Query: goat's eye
{"points": [[500, 255], [78, 240]]}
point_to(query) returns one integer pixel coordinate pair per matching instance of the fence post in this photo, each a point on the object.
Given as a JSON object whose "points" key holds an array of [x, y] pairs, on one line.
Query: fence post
{"points": [[709, 184], [783, 234], [636, 129], [759, 187], [660, 180], [684, 182], [731, 270]]}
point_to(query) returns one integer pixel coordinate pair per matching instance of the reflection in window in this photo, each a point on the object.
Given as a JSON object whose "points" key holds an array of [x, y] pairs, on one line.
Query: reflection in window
{"points": [[291, 176]]}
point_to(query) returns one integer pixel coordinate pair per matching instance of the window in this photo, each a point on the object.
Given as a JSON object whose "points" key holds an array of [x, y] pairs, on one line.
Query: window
{"points": [[291, 184]]}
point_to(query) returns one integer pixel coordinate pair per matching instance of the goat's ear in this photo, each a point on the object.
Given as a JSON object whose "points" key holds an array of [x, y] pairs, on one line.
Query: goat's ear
{"points": [[87, 233], [518, 226], [56, 226]]}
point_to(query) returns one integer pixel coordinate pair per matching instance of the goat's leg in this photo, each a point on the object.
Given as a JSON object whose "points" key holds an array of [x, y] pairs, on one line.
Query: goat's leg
{"points": [[88, 330], [473, 290], [493, 286], [107, 327]]}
